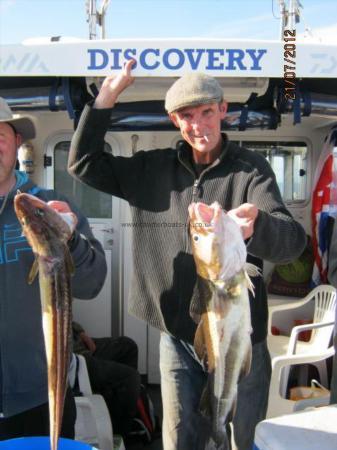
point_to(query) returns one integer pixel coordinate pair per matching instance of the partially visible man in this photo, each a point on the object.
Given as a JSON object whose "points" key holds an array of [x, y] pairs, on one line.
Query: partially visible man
{"points": [[112, 367], [23, 370], [159, 186]]}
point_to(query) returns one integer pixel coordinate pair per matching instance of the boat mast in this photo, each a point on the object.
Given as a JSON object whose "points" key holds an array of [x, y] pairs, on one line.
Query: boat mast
{"points": [[289, 17], [96, 17]]}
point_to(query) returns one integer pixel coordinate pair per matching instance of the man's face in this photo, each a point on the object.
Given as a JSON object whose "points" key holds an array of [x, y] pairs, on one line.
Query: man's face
{"points": [[200, 125], [9, 142]]}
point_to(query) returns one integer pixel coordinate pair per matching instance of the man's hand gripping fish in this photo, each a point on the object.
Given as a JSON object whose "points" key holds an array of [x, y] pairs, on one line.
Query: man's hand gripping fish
{"points": [[47, 233], [222, 340]]}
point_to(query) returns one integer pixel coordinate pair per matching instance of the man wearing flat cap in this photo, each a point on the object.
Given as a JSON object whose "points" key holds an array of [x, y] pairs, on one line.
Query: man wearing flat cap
{"points": [[23, 371], [159, 186]]}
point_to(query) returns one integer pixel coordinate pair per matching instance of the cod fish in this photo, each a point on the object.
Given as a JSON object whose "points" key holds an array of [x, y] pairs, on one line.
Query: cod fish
{"points": [[222, 340], [47, 233]]}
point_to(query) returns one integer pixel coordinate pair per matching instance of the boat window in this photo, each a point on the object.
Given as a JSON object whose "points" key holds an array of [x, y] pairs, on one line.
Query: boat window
{"points": [[289, 162], [91, 202]]}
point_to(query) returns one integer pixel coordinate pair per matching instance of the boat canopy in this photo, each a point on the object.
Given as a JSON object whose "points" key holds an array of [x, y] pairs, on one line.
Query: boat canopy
{"points": [[255, 75], [169, 57]]}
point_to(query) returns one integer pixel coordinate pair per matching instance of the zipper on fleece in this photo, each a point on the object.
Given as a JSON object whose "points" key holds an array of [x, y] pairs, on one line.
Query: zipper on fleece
{"points": [[196, 186]]}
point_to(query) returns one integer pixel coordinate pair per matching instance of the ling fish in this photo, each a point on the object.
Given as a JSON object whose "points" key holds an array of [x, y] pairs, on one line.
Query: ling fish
{"points": [[47, 233], [222, 340]]}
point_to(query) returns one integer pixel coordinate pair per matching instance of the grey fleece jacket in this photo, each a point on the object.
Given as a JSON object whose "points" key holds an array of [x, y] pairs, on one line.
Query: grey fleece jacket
{"points": [[159, 185], [23, 372]]}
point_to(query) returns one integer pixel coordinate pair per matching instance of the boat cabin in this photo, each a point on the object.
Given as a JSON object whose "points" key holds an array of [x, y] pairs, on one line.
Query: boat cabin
{"points": [[282, 99]]}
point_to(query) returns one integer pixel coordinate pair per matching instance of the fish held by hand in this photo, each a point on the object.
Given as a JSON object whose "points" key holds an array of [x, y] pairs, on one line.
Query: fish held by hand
{"points": [[48, 233], [222, 340]]}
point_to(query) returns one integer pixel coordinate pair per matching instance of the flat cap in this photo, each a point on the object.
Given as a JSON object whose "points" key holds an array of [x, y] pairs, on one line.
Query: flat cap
{"points": [[193, 89]]}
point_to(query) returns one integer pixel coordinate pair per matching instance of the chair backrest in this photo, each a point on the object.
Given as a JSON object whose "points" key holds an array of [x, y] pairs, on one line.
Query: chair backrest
{"points": [[325, 305], [78, 376], [93, 423]]}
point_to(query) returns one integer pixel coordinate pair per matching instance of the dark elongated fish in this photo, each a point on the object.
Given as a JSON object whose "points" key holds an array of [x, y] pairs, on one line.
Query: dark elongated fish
{"points": [[222, 340], [47, 233]]}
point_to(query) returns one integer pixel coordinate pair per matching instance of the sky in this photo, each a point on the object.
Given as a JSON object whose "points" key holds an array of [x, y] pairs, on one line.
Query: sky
{"points": [[259, 19]]}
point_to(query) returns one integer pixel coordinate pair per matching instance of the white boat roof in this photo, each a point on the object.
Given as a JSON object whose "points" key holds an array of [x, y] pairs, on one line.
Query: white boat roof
{"points": [[225, 58]]}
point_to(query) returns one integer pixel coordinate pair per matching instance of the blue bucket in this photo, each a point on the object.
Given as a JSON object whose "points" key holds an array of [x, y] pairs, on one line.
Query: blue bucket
{"points": [[42, 443]]}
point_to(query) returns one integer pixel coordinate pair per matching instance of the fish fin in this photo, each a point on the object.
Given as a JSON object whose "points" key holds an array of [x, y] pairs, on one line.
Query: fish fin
{"points": [[33, 271], [199, 342], [69, 262], [249, 284], [195, 317], [202, 290], [251, 270]]}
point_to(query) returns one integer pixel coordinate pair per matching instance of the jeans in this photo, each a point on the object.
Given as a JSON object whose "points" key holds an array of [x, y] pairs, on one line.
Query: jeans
{"points": [[183, 379], [252, 401]]}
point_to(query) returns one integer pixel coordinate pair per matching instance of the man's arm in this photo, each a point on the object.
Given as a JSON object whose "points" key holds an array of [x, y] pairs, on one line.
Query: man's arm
{"points": [[113, 86], [118, 176], [89, 260]]}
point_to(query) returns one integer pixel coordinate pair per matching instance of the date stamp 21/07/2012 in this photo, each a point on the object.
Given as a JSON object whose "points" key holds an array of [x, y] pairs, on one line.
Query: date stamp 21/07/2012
{"points": [[289, 67]]}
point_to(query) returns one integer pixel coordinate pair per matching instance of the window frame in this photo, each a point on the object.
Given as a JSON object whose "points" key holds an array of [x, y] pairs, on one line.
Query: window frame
{"points": [[49, 179], [285, 140]]}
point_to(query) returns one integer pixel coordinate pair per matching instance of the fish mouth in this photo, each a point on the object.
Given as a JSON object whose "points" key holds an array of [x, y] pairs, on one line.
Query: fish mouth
{"points": [[205, 214], [24, 202], [36, 215]]}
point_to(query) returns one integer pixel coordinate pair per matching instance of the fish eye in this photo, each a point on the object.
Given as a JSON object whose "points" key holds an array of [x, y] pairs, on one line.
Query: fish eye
{"points": [[39, 212], [195, 238]]}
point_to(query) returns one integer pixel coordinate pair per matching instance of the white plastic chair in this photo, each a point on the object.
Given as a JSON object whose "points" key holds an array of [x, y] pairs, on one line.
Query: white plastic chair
{"points": [[93, 425], [287, 351]]}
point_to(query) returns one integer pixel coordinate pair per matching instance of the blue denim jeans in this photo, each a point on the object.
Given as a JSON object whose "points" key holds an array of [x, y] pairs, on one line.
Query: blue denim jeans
{"points": [[183, 379], [252, 401]]}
